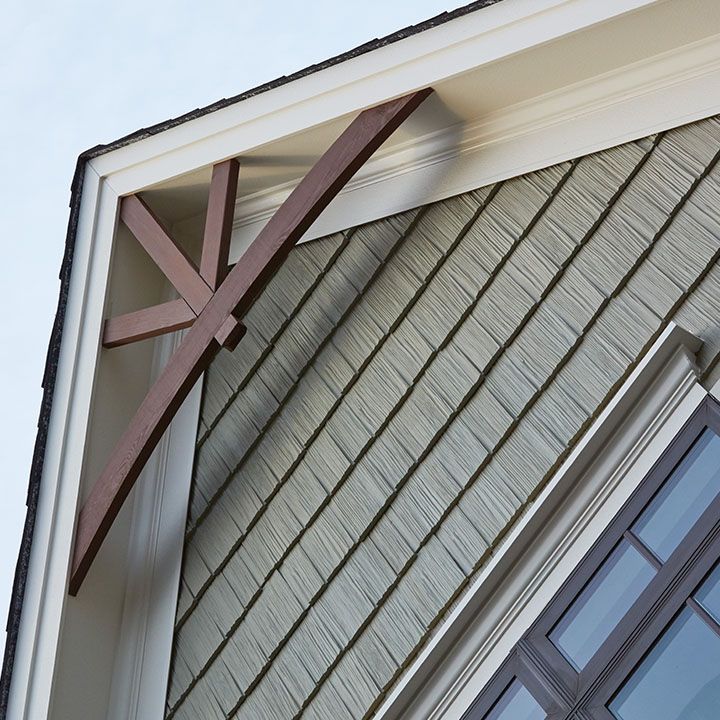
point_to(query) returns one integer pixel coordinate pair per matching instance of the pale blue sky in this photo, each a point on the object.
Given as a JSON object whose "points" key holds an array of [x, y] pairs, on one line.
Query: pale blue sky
{"points": [[79, 73]]}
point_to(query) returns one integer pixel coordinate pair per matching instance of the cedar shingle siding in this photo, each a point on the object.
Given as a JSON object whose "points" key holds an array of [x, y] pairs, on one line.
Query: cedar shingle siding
{"points": [[404, 390]]}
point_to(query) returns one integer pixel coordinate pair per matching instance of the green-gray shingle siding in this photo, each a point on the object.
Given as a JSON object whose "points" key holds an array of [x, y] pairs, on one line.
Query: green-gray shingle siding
{"points": [[403, 391]]}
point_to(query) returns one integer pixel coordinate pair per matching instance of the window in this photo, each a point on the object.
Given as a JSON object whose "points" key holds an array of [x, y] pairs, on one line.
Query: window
{"points": [[634, 633]]}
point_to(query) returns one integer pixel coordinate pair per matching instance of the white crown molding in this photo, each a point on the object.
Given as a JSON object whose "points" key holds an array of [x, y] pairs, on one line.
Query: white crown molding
{"points": [[426, 58], [649, 96], [549, 540]]}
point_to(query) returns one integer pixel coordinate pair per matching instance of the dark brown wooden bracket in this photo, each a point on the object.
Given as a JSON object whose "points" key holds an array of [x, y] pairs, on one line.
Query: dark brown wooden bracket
{"points": [[211, 303], [195, 287]]}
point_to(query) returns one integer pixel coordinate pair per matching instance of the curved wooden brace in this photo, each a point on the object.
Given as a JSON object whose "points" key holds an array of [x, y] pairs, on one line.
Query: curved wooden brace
{"points": [[216, 323]]}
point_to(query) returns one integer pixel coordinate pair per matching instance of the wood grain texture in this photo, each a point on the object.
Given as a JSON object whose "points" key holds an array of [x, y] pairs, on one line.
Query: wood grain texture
{"points": [[232, 299], [218, 223], [147, 323]]}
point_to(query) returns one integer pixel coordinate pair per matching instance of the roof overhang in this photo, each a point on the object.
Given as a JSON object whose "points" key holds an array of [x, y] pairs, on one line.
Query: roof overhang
{"points": [[503, 77], [518, 86]]}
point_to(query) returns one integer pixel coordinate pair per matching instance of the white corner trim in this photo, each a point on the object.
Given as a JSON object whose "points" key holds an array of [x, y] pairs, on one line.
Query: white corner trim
{"points": [[142, 659], [649, 96], [46, 587], [554, 534], [159, 512]]}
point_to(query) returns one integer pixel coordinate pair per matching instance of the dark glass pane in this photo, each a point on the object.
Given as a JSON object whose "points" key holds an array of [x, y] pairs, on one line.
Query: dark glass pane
{"points": [[516, 703], [678, 680], [709, 595], [683, 497], [605, 599]]}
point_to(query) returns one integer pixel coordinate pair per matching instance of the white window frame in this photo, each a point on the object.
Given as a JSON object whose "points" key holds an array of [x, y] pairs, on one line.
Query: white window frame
{"points": [[548, 542]]}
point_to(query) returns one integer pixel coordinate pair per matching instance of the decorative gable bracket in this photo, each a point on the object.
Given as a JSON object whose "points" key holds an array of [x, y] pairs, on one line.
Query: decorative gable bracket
{"points": [[212, 303], [195, 287]]}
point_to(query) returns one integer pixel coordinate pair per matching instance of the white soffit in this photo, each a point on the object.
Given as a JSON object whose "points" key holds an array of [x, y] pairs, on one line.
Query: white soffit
{"points": [[518, 85]]}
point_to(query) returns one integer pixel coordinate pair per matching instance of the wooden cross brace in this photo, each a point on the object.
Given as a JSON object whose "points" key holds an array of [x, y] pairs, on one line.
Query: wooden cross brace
{"points": [[195, 287], [211, 302]]}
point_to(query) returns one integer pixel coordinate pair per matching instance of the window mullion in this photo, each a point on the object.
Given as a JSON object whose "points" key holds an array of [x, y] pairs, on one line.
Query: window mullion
{"points": [[654, 621], [640, 547], [704, 615]]}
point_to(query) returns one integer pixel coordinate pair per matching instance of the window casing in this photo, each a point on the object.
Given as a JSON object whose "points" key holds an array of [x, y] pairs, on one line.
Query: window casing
{"points": [[663, 595]]}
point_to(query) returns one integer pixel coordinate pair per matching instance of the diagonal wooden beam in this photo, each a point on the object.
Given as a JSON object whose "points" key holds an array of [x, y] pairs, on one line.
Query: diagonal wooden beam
{"points": [[177, 267], [332, 171], [172, 259], [218, 223], [148, 323]]}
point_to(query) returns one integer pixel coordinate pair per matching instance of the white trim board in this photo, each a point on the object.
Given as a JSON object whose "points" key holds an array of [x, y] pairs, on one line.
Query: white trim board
{"points": [[136, 657], [547, 543], [45, 592], [142, 659], [654, 95], [427, 58]]}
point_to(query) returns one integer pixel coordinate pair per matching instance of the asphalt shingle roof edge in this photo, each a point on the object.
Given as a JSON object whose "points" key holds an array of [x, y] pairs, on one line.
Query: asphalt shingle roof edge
{"points": [[51, 361], [38, 459]]}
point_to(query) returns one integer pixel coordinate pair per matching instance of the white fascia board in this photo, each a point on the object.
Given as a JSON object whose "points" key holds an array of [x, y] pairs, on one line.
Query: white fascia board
{"points": [[140, 650], [46, 586], [418, 61], [650, 96], [545, 545]]}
